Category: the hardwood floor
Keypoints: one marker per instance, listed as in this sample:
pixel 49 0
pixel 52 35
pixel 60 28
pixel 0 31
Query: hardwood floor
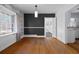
pixel 39 46
pixel 75 45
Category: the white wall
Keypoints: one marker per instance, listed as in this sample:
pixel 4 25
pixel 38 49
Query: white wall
pixel 61 26
pixel 67 35
pixel 61 23
pixel 20 20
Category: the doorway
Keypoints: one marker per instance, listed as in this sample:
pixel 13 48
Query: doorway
pixel 50 27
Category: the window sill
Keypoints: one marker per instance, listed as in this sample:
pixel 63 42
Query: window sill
pixel 1 35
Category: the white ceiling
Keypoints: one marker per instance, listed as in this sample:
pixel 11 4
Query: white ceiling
pixel 42 8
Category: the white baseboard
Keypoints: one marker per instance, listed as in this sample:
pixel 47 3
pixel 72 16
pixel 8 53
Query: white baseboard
pixel 41 37
pixel 35 36
pixel 32 36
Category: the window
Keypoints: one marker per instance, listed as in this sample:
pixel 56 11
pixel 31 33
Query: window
pixel 5 23
pixel 72 22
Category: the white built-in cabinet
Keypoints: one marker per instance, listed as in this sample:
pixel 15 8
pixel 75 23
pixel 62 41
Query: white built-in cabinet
pixel 7 40
pixel 71 35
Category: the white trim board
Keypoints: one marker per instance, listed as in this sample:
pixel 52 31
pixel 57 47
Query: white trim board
pixel 32 36
pixel 33 27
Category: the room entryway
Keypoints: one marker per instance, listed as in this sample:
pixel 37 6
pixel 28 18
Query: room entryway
pixel 50 27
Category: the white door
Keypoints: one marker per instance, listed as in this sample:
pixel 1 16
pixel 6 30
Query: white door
pixel 50 27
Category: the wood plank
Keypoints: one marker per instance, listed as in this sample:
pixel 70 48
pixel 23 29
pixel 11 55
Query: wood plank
pixel 40 46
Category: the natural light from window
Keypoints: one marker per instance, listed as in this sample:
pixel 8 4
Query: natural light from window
pixel 5 23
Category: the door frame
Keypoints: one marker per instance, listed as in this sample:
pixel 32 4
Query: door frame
pixel 55 27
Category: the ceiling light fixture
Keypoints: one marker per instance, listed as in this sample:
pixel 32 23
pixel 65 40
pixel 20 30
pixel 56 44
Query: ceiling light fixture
pixel 36 12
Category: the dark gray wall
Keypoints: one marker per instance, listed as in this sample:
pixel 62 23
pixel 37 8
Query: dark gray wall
pixel 31 21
